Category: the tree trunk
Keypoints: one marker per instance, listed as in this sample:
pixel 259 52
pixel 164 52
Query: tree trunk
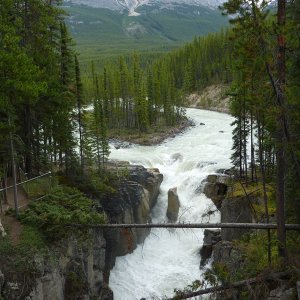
pixel 280 134
pixel 263 175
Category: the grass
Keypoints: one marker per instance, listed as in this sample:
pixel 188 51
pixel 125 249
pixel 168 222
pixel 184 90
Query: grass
pixel 255 190
pixel 39 187
pixel 238 189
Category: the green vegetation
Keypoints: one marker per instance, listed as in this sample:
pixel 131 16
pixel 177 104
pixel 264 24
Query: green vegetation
pixel 102 35
pixel 64 205
pixel 133 98
pixel 39 187
pixel 249 261
pixel 128 97
pixel 42 101
pixel 17 261
pixel 153 134
pixel 263 101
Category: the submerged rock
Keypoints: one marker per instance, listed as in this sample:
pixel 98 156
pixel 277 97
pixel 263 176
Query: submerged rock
pixel 177 157
pixel 173 205
pixel 118 144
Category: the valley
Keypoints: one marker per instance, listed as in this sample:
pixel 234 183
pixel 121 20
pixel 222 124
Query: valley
pixel 103 34
pixel 149 149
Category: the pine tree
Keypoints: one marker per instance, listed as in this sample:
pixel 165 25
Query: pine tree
pixel 78 92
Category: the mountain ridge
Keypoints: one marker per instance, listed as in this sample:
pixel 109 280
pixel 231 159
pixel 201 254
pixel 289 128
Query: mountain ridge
pixel 132 5
pixel 151 29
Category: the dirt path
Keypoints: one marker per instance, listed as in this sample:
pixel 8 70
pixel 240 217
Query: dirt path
pixel 11 225
pixel 22 198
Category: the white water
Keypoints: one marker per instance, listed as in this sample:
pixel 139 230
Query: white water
pixel 170 259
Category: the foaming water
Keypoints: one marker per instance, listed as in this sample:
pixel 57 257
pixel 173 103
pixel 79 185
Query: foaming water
pixel 170 259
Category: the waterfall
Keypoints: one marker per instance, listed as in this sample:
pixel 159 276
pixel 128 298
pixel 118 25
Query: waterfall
pixel 170 259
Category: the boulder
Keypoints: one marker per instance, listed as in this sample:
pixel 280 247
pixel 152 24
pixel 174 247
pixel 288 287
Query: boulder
pixel 173 205
pixel 152 185
pixel 211 236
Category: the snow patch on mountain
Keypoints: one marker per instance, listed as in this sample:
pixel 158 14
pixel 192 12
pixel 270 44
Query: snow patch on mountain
pixel 132 5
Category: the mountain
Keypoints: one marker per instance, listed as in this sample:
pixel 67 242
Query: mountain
pixel 104 29
pixel 132 5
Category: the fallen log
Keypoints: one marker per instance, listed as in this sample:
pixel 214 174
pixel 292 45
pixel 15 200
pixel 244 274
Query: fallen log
pixel 184 225
pixel 235 285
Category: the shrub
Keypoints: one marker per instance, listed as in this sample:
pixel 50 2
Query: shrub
pixel 63 206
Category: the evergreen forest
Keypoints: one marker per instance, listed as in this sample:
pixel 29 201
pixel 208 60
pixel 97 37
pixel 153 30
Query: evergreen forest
pixel 56 118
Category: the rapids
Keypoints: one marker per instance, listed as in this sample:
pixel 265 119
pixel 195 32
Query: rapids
pixel 170 259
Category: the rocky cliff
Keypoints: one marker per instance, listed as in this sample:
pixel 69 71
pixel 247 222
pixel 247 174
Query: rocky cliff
pixel 79 268
pixel 228 249
pixel 132 205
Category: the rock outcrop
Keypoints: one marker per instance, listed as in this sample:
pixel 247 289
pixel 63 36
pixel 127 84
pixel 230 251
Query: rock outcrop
pixel 71 270
pixel 211 98
pixel 173 205
pixel 226 253
pixel 235 210
pixel 216 188
pixel 80 268
pixel 131 205
pixel 211 238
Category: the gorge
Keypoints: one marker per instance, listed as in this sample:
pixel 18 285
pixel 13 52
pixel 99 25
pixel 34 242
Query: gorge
pixel 170 259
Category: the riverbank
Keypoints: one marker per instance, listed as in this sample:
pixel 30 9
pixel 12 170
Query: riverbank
pixel 122 138
pixel 213 98
pixel 232 255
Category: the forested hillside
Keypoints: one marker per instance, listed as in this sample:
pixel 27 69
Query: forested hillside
pixel 43 99
pixel 140 96
pixel 102 34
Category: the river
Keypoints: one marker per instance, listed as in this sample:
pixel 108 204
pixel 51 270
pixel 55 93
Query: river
pixel 170 259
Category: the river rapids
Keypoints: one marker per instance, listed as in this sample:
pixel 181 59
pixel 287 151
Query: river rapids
pixel 170 259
